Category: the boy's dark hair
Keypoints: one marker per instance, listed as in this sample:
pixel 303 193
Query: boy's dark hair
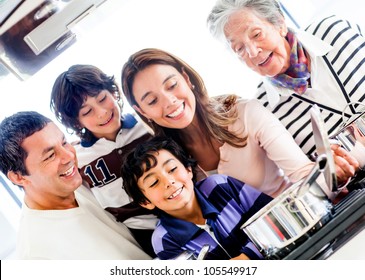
pixel 71 89
pixel 13 131
pixel 142 159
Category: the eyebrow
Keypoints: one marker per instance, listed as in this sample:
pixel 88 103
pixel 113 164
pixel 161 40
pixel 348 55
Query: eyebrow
pixel 164 164
pixel 144 96
pixel 83 105
pixel 48 149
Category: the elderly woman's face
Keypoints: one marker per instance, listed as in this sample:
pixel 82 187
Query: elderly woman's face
pixel 258 43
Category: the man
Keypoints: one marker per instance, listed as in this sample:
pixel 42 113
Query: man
pixel 60 217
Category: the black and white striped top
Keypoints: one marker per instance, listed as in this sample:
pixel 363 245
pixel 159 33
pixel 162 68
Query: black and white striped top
pixel 344 68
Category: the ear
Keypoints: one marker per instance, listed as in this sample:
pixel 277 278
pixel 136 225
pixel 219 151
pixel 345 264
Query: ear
pixel 190 171
pixel 140 111
pixel 16 178
pixel 148 205
pixel 187 79
pixel 283 29
pixel 116 95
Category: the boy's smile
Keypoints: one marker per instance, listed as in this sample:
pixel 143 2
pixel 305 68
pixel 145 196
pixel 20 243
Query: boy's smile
pixel 168 185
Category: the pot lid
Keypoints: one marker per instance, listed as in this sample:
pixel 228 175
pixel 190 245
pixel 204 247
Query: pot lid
pixel 323 147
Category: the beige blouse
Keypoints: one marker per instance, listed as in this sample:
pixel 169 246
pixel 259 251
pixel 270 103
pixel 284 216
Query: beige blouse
pixel 271 161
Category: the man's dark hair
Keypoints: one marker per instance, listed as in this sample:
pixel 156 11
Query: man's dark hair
pixel 13 131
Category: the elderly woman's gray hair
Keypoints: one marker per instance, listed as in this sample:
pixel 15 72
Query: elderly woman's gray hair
pixel 223 9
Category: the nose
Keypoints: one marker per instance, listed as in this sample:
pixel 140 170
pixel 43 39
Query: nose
pixel 101 112
pixel 169 181
pixel 170 99
pixel 67 154
pixel 251 49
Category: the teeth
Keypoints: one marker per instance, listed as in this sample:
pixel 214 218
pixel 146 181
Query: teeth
pixel 177 112
pixel 175 194
pixel 68 172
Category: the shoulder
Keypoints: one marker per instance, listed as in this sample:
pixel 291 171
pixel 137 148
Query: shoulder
pixel 248 106
pixel 87 154
pixel 164 245
pixel 252 112
pixel 133 127
pixel 159 233
pixel 332 24
pixel 217 182
pixel 212 181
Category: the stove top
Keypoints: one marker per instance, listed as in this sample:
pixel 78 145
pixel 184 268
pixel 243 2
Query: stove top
pixel 348 218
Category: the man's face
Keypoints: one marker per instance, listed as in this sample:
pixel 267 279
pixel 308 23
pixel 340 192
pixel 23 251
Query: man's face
pixel 51 164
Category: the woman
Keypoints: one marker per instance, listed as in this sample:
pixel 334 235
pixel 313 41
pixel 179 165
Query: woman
pixel 225 135
pixel 321 66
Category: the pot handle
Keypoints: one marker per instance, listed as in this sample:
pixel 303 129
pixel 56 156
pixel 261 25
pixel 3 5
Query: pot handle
pixel 318 168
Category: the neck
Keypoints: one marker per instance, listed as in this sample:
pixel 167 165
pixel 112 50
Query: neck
pixel 193 134
pixel 191 213
pixel 55 203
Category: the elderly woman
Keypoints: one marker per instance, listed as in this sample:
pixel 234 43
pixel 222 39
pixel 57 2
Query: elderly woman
pixel 323 66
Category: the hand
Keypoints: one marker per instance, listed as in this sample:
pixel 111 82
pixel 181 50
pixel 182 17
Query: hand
pixel 346 164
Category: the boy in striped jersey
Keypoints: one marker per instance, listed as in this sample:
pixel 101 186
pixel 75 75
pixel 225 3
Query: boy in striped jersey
pixel 87 101
pixel 159 176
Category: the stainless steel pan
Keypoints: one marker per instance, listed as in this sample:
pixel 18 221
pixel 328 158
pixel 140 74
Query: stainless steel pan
pixel 290 218
pixel 301 210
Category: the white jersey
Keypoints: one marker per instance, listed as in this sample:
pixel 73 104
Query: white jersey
pixel 100 164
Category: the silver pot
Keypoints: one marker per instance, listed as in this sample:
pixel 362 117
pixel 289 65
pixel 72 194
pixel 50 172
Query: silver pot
pixel 299 211
pixel 288 220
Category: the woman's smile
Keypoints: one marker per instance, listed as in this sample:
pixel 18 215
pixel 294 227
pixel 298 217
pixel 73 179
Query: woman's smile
pixel 176 114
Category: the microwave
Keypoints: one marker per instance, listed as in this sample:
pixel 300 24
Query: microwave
pixel 34 32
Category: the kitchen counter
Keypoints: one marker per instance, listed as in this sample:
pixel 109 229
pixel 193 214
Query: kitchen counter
pixel 343 237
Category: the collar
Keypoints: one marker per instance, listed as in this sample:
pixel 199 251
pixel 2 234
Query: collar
pixel 183 231
pixel 314 46
pixel 128 121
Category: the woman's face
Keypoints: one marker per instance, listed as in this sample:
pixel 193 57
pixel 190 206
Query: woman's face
pixel 164 95
pixel 258 43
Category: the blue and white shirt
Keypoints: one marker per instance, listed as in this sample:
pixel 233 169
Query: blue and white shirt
pixel 227 204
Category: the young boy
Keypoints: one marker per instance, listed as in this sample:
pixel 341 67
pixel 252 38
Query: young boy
pixel 87 101
pixel 159 176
